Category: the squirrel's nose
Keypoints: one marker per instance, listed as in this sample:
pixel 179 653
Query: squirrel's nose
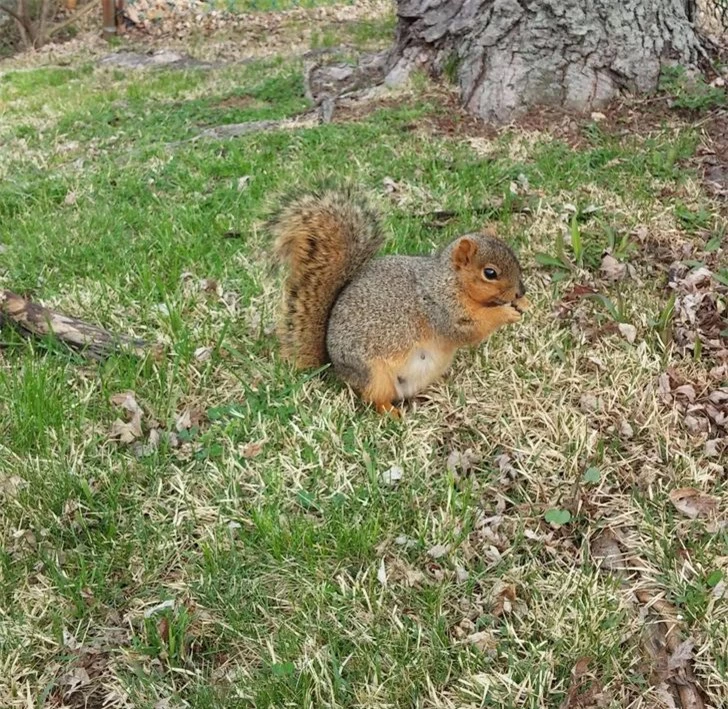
pixel 521 290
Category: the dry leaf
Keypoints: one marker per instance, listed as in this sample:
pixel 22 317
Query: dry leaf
pixel 606 550
pixel 612 269
pixel 712 448
pixel 164 605
pixel 69 640
pixel 663 693
pixel 682 655
pixel 202 354
pixel 629 332
pixel 392 476
pixel 77 677
pixel 127 432
pixel 461 463
pixel 695 425
pixel 401 571
pixel 250 450
pixel 483 640
pixel 625 430
pixel 127 401
pixel 10 486
pixel 148 448
pixel 438 551
pixel 210 285
pixel 588 403
pixel 503 597
pixel 382 573
pixel 693 503
pixel 686 390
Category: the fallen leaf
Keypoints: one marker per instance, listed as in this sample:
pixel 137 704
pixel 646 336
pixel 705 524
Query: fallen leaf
pixel 127 401
pixel 144 450
pixel 629 332
pixel 695 425
pixel 612 269
pixel 164 605
pixel 626 430
pixel 210 285
pixel 606 550
pixel 483 640
pixel 686 390
pixel 697 278
pixel 392 476
pixel 461 463
pixel 665 387
pixel 502 597
pixel 126 432
pixel 202 354
pixel 382 573
pixel 250 450
pixel 693 503
pixel 682 655
pixel 77 677
pixel 10 486
pixel 69 640
pixel 663 693
pixel 505 464
pixel 588 403
pixel 712 448
pixel 438 551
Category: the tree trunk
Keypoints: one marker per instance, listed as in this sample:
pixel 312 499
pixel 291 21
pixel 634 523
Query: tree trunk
pixel 508 55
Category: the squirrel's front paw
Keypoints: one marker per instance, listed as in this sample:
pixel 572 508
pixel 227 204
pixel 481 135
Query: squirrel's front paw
pixel 509 313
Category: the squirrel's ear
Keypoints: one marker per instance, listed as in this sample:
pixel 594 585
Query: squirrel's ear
pixel 464 252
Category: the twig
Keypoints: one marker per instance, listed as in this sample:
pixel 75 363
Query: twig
pixel 85 10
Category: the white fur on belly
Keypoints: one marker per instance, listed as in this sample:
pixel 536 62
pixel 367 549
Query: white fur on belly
pixel 422 367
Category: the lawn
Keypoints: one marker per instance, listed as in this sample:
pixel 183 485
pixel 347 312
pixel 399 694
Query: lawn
pixel 261 538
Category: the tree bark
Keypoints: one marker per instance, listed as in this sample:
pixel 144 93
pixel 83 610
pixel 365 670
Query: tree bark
pixel 508 55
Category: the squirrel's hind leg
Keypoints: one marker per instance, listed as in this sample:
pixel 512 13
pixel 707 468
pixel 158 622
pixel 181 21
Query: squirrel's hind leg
pixel 381 390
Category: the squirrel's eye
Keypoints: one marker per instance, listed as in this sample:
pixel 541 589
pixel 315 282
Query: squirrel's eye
pixel 490 274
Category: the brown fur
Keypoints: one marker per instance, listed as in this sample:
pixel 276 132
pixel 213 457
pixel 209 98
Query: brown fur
pixel 324 239
pixel 389 325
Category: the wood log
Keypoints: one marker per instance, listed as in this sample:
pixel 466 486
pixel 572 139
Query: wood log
pixel 33 319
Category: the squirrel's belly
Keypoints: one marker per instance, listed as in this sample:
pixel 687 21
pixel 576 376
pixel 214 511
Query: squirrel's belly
pixel 423 365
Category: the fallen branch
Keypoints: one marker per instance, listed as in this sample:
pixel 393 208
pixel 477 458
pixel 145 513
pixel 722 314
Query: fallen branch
pixel 235 130
pixel 85 10
pixel 33 319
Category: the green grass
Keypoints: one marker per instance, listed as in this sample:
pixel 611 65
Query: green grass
pixel 267 522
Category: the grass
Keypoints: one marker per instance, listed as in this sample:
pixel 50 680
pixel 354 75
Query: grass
pixel 258 557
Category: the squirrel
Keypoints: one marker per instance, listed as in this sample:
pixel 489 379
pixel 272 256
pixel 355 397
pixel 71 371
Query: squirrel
pixel 389 325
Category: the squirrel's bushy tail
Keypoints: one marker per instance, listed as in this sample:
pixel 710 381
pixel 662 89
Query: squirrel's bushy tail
pixel 324 238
